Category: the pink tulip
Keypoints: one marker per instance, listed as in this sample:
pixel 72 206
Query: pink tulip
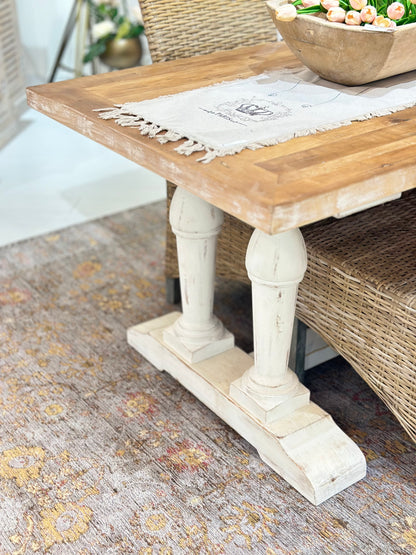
pixel 392 24
pixel 331 4
pixel 336 15
pixel 358 4
pixel 353 18
pixel 395 11
pixel 286 12
pixel 413 1
pixel 310 3
pixel 368 14
pixel 381 21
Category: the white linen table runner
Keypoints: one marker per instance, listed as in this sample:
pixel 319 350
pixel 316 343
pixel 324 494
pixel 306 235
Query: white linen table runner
pixel 260 111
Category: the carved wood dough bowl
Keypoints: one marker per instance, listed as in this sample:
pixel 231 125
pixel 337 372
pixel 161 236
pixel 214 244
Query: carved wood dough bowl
pixel 347 54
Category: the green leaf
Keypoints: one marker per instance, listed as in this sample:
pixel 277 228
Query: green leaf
pixel 124 29
pixel 311 9
pixel 95 49
pixel 135 31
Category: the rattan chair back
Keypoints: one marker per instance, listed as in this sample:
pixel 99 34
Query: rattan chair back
pixel 183 28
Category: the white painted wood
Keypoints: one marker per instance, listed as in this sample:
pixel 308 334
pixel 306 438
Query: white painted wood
pixel 275 264
pixel 197 334
pixel 306 448
pixel 346 213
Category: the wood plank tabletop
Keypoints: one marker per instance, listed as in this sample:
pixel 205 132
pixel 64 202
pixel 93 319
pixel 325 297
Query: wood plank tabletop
pixel 273 188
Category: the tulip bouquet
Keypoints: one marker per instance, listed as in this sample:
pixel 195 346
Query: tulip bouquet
pixel 385 14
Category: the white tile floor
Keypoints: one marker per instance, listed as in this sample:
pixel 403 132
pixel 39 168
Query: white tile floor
pixel 51 177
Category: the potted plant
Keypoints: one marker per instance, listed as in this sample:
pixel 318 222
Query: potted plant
pixel 115 38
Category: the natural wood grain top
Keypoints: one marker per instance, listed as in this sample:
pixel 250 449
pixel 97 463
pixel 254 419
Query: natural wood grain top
pixel 274 188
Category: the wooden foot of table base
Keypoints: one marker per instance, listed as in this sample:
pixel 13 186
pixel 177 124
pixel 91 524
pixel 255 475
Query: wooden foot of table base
pixel 305 447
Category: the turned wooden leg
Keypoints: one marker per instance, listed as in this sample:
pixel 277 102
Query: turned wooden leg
pixel 197 334
pixel 275 264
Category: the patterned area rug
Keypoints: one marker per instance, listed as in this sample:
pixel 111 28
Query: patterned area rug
pixel 102 454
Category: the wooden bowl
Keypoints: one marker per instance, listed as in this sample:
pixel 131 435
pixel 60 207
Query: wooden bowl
pixel 345 54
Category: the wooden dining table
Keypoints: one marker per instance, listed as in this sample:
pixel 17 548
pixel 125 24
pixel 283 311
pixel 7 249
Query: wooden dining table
pixel 276 190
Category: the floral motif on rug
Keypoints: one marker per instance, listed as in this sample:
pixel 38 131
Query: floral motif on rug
pixel 100 453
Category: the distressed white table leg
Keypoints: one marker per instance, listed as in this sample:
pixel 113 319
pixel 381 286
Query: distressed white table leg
pixel 275 264
pixel 197 334
pixel 263 401
pixel 314 453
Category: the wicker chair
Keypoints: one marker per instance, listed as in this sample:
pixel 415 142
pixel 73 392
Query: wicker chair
pixel 359 292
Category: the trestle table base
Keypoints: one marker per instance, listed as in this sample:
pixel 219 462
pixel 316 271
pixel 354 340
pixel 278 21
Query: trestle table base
pixel 306 447
pixel 259 396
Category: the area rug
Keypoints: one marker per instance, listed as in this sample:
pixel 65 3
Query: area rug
pixel 102 454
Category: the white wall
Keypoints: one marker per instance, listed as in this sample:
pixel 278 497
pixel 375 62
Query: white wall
pixel 42 24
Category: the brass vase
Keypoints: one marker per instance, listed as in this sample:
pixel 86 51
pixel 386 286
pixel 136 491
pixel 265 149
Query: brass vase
pixel 122 53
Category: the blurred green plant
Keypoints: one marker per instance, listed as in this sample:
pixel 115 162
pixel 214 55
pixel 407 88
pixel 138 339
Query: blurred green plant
pixel 109 24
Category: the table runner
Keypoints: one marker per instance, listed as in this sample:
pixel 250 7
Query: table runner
pixel 259 111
